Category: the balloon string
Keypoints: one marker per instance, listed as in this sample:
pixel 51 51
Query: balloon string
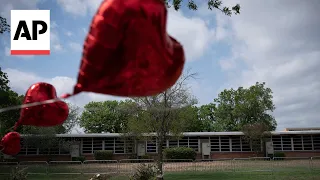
pixel 35 103
pixel 29 105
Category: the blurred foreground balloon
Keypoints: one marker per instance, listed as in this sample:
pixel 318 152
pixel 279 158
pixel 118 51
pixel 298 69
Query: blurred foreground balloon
pixel 10 143
pixel 128 52
pixel 44 115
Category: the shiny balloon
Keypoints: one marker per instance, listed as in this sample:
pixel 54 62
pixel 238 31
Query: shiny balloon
pixel 128 52
pixel 44 115
pixel 10 143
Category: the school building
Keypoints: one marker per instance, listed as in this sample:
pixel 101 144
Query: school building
pixel 208 145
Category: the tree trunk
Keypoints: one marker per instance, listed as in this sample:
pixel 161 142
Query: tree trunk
pixel 160 159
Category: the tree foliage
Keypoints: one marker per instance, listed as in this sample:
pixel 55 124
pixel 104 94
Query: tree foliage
pixel 107 116
pixel 207 117
pixel 4 26
pixel 8 98
pixel 212 4
pixel 236 108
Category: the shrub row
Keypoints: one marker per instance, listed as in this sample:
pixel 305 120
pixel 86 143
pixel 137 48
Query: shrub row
pixel 180 153
pixel 103 155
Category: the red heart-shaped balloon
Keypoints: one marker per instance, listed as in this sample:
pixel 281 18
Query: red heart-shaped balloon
pixel 10 143
pixel 128 52
pixel 44 115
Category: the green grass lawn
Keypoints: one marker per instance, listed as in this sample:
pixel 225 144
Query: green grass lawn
pixel 201 176
pixel 285 170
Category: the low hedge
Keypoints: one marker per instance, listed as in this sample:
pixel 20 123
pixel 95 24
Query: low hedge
pixel 278 155
pixel 103 155
pixel 80 158
pixel 180 153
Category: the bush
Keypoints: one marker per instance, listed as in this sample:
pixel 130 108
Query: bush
pixel 133 156
pixel 80 158
pixel 279 155
pixel 18 174
pixel 144 172
pixel 180 153
pixel 103 155
pixel 145 157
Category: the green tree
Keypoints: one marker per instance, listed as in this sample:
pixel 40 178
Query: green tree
pixel 4 26
pixel 207 117
pixel 212 4
pixel 236 108
pixel 8 98
pixel 107 116
pixel 191 115
pixel 164 114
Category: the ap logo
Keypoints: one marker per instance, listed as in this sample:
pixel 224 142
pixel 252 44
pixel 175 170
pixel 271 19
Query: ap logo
pixel 30 32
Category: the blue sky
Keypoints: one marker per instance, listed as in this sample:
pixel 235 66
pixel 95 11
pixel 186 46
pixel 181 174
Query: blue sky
pixel 266 44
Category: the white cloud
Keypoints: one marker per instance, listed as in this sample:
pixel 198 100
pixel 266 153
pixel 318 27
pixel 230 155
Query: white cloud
pixel 278 42
pixel 79 7
pixel 54 38
pixel 75 46
pixel 193 33
pixel 69 34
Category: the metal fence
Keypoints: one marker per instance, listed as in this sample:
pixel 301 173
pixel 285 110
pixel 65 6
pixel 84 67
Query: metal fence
pixel 124 166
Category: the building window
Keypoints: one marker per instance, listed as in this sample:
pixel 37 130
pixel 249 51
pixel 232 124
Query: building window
pixel 173 143
pixel 225 143
pixel 277 145
pixel 316 142
pixel 286 143
pixel 119 146
pixel 297 143
pixel 87 145
pixel 96 144
pixel 236 143
pixel 215 143
pixel 294 143
pixel 109 144
pixel 183 142
pixel 152 146
pixel 307 143
pixel 53 149
pixel 194 143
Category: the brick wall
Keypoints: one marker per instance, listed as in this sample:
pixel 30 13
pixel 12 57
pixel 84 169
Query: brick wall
pixel 222 155
pixel 302 154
